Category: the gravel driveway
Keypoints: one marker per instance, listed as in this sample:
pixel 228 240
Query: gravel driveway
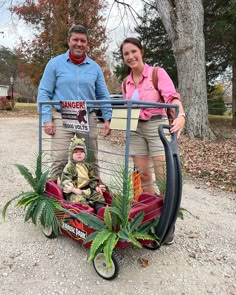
pixel 202 260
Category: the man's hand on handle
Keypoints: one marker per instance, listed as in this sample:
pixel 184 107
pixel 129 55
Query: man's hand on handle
pixel 49 128
pixel 106 128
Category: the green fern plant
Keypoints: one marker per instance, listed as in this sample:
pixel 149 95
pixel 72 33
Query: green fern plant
pixel 38 207
pixel 117 226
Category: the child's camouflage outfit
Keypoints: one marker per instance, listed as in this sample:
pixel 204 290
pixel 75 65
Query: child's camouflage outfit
pixel 81 175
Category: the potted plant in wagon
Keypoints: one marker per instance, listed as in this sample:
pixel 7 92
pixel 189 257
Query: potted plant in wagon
pixel 38 207
pixel 116 227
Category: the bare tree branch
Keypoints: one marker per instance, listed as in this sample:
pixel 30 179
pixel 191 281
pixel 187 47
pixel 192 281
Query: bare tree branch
pixel 151 5
pixel 129 7
pixel 122 17
pixel 122 14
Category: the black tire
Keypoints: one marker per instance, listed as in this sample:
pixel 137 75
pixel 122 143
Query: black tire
pixel 48 232
pixel 101 268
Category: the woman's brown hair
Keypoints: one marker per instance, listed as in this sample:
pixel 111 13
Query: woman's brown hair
pixel 133 41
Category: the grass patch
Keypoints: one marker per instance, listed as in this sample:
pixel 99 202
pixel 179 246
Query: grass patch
pixel 26 106
pixel 220 118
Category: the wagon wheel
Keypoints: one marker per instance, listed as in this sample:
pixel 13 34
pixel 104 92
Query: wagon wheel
pixel 48 231
pixel 107 273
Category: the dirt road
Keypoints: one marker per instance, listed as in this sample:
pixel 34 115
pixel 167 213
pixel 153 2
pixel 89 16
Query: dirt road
pixel 202 260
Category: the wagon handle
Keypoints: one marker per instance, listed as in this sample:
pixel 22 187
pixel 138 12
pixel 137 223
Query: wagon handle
pixel 173 184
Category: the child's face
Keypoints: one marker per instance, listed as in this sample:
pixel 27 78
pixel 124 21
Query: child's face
pixel 78 156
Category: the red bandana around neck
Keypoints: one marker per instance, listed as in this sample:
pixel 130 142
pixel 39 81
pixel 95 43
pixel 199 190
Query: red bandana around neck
pixel 76 60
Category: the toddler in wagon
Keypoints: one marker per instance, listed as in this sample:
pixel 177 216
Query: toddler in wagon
pixel 78 179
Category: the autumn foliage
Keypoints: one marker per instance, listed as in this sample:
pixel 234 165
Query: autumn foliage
pixel 51 20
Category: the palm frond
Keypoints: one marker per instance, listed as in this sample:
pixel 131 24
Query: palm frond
pixel 122 204
pixel 51 221
pixel 149 227
pixel 161 184
pixel 98 242
pixel 123 233
pixel 141 236
pixel 48 216
pixel 24 171
pixel 145 227
pixel 27 199
pixel 109 247
pixel 122 188
pixel 181 211
pixel 136 221
pixel 90 238
pixel 37 164
pixel 38 168
pixel 55 226
pixel 32 211
pixel 40 187
pixel 116 180
pixel 134 241
pixel 119 180
pixel 38 206
pixel 117 201
pixel 107 219
pixel 91 220
pixel 38 210
pixel 117 212
pixel 128 184
pixel 126 199
pixel 4 210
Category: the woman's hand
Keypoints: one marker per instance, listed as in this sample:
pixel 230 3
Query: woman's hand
pixel 178 124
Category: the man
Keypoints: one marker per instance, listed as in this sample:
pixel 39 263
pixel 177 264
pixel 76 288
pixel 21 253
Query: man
pixel 72 76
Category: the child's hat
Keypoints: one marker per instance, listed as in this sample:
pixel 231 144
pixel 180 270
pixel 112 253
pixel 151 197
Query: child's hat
pixel 78 144
pixel 79 148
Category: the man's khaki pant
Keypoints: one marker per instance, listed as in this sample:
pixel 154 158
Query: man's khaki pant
pixel 61 140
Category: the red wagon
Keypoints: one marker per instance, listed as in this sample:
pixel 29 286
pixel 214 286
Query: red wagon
pixel 161 215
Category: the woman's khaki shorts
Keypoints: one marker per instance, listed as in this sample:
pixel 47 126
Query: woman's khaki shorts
pixel 145 140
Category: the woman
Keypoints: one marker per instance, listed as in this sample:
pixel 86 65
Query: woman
pixel 145 144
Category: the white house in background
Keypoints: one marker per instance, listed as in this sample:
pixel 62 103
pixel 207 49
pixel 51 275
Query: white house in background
pixel 228 94
pixel 4 90
pixel 6 103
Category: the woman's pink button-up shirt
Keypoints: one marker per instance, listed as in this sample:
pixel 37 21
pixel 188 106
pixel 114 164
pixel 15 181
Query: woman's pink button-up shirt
pixel 147 92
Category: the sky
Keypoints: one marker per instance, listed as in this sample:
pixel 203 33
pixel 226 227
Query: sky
pixel 121 21
pixel 11 29
pixel 119 24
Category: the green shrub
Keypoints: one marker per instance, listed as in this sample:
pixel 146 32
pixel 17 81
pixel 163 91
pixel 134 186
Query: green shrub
pixel 216 105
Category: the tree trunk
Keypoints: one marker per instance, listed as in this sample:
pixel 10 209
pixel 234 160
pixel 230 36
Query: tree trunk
pixel 234 83
pixel 183 21
pixel 234 95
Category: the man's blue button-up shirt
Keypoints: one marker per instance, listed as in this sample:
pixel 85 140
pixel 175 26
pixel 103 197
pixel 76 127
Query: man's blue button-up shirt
pixel 63 80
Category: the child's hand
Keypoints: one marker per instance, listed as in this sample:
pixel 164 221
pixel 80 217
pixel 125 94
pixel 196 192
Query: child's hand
pixel 77 191
pixel 68 188
pixel 100 189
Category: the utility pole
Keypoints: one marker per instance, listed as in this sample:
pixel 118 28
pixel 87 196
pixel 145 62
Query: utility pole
pixel 12 95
